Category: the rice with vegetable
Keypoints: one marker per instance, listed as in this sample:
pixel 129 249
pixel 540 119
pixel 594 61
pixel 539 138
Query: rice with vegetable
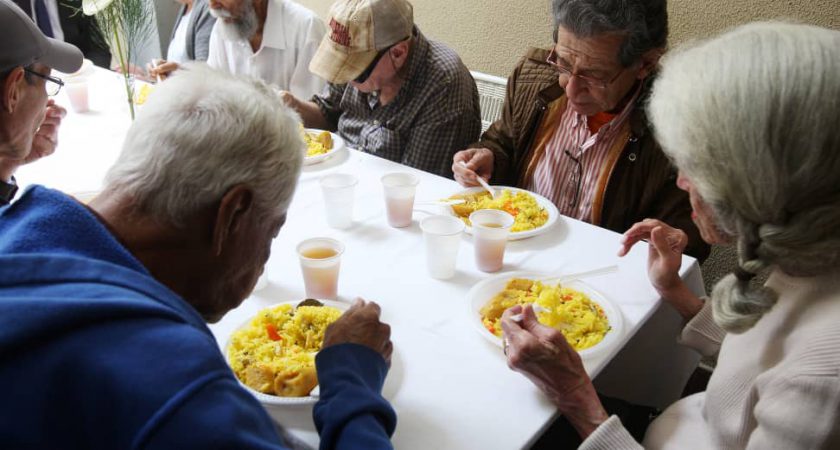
pixel 572 312
pixel 275 352
pixel 317 143
pixel 527 213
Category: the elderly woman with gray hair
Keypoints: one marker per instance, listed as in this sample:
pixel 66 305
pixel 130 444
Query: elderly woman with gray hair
pixel 750 119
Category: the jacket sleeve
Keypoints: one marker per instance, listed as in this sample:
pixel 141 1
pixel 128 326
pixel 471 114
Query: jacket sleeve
pixel 352 414
pixel 672 206
pixel 501 136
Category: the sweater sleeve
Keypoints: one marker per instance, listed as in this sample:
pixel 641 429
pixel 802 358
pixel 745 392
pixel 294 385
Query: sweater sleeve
pixel 702 333
pixel 352 414
pixel 611 435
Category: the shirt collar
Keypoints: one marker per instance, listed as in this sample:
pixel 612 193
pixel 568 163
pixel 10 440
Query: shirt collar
pixel 274 35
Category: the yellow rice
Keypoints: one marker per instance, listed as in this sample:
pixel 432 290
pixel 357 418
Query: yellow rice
pixel 572 312
pixel 317 143
pixel 284 352
pixel 527 213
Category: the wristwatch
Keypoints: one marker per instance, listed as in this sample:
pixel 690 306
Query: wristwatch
pixel 8 191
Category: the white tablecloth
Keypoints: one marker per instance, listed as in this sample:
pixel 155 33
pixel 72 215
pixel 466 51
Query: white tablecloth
pixel 450 387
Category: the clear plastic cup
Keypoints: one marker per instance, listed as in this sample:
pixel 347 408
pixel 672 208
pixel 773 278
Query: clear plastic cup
pixel 399 197
pixel 76 87
pixel 491 228
pixel 320 259
pixel 338 192
pixel 442 235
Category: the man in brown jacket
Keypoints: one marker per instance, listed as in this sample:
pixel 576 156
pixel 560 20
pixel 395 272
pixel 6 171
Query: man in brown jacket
pixel 573 127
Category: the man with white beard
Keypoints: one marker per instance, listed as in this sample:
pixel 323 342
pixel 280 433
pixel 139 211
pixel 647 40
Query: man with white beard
pixel 272 40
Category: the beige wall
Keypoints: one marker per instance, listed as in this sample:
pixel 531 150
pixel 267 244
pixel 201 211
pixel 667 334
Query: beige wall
pixel 491 35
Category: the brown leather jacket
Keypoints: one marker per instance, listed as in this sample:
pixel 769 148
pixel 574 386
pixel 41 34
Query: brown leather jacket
pixel 638 182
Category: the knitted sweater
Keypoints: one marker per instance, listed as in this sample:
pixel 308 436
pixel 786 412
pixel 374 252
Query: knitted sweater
pixel 775 386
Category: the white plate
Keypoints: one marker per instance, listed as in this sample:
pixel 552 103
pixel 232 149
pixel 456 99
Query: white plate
pixel 338 144
pixel 553 213
pixel 274 400
pixel 485 290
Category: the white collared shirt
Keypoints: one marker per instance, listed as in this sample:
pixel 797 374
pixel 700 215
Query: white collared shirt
pixel 291 36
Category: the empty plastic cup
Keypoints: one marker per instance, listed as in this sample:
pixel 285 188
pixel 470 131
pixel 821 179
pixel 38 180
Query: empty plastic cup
pixel 442 235
pixel 338 190
pixel 399 197
pixel 491 228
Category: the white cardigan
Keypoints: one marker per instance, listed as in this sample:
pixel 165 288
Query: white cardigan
pixel 776 386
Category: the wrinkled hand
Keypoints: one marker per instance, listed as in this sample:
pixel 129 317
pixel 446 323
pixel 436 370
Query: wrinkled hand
pixel 471 163
pixel 665 249
pixel 46 138
pixel 360 325
pixel 161 68
pixel 544 356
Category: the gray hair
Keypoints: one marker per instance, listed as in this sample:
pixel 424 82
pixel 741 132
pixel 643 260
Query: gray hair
pixel 643 22
pixel 751 118
pixel 200 133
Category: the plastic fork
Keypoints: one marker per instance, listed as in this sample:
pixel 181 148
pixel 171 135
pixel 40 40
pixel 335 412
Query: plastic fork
pixel 483 183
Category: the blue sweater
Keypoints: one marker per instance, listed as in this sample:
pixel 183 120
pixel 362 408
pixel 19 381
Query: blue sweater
pixel 96 354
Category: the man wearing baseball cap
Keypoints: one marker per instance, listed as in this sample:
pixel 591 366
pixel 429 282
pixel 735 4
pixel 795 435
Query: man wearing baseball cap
pixel 28 121
pixel 391 92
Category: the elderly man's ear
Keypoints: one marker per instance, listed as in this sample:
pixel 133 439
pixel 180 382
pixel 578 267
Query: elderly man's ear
pixel 11 90
pixel 236 206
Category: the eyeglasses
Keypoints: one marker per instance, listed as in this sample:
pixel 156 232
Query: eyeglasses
pixel 566 71
pixel 52 88
pixel 366 74
pixel 576 177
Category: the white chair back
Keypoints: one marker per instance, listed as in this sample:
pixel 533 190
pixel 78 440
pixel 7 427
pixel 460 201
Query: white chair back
pixel 491 97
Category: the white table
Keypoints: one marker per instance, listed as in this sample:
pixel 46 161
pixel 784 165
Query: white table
pixel 450 387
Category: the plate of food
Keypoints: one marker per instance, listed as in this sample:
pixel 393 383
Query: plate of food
pixel 590 322
pixel 533 214
pixel 273 353
pixel 320 145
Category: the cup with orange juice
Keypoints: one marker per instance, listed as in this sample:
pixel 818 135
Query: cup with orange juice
pixel 320 260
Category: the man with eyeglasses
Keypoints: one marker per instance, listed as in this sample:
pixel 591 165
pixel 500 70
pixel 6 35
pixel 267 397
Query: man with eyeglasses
pixel 392 92
pixel 574 129
pixel 28 120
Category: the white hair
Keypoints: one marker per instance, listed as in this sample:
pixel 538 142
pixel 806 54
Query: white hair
pixel 200 133
pixel 751 117
pixel 239 28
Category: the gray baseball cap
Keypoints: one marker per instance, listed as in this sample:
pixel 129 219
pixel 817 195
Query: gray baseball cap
pixel 25 44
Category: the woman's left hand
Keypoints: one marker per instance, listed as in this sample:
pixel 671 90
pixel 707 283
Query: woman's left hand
pixel 544 356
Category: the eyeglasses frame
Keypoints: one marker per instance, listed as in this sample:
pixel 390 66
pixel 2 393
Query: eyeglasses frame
pixel 551 59
pixel 58 81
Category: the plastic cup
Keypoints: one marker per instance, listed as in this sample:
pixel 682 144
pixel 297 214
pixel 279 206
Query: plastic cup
pixel 77 92
pixel 338 198
pixel 399 197
pixel 320 259
pixel 491 228
pixel 442 235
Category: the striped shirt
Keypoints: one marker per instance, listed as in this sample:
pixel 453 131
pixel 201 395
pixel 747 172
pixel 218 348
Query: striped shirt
pixel 435 114
pixel 567 174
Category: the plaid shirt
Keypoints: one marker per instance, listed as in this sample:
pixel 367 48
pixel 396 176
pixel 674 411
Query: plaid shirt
pixel 435 114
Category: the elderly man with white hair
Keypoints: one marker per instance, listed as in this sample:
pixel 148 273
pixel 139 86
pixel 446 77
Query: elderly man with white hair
pixel 755 139
pixel 273 40
pixel 103 306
